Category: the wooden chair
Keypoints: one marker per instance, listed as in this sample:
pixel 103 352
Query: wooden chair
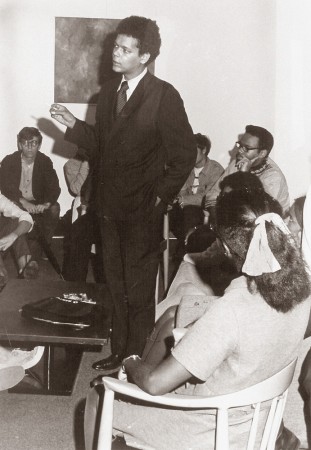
pixel 274 388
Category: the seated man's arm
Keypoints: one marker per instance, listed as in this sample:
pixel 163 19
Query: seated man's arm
pixel 42 207
pixel 25 222
pixel 51 187
pixel 76 172
pixel 191 199
pixel 275 184
pixel 207 183
pixel 210 197
pixel 212 194
pixel 9 184
pixel 31 208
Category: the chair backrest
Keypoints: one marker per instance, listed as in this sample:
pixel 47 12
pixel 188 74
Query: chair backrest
pixel 273 389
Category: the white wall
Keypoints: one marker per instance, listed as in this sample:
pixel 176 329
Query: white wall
pixel 293 93
pixel 219 54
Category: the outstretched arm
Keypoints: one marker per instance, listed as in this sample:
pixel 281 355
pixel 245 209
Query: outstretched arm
pixel 62 115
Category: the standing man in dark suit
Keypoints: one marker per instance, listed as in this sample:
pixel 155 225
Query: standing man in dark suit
pixel 146 150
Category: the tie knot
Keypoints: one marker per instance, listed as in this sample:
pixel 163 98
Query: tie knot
pixel 124 86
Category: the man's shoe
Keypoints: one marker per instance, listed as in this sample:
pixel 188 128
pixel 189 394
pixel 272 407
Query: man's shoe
pixel 112 363
pixel 30 271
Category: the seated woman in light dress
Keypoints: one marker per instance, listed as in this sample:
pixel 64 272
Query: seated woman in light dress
pixel 243 337
pixel 211 271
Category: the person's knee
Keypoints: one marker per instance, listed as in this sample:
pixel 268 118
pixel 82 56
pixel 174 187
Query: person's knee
pixel 54 210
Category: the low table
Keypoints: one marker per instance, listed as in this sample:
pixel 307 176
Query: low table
pixel 16 331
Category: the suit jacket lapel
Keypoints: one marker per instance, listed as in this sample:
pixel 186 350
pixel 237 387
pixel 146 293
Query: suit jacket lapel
pixel 130 107
pixel 112 98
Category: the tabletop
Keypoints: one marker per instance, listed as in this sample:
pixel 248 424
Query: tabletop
pixel 15 328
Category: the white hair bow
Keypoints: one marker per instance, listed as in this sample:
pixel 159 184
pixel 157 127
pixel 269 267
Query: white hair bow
pixel 259 258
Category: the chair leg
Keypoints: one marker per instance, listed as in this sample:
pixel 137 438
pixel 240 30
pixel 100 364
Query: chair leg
pixel 157 289
pixel 222 430
pixel 105 428
pixel 166 252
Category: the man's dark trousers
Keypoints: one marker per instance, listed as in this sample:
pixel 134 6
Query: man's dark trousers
pixel 144 154
pixel 131 251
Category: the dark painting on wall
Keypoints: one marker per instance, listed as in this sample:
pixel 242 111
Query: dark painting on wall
pixel 82 58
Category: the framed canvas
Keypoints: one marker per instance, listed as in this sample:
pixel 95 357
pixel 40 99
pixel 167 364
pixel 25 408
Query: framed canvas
pixel 83 50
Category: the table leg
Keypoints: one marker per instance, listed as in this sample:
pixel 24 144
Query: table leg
pixel 58 372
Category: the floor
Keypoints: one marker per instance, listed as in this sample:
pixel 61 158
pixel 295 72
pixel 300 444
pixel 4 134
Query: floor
pixel 37 422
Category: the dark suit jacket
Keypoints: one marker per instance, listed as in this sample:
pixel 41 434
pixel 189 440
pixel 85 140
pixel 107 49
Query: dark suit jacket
pixel 45 184
pixel 148 151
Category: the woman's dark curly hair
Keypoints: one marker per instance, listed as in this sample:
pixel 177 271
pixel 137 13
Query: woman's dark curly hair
pixel 146 31
pixel 246 181
pixel 236 213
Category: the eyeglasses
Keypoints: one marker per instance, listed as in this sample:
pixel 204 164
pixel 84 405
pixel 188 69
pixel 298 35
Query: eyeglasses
pixel 225 247
pixel 244 147
pixel 33 143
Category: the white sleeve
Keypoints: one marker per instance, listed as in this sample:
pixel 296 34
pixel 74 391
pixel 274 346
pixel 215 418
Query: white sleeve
pixel 9 209
pixel 209 341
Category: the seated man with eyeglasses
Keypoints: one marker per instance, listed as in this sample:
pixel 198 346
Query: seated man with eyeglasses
pixel 28 179
pixel 253 149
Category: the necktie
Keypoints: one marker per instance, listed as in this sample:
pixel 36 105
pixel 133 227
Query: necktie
pixel 195 184
pixel 121 97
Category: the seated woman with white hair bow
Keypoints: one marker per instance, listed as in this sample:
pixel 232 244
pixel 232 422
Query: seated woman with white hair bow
pixel 247 335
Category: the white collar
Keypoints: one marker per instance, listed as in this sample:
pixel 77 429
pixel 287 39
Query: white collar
pixel 132 84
